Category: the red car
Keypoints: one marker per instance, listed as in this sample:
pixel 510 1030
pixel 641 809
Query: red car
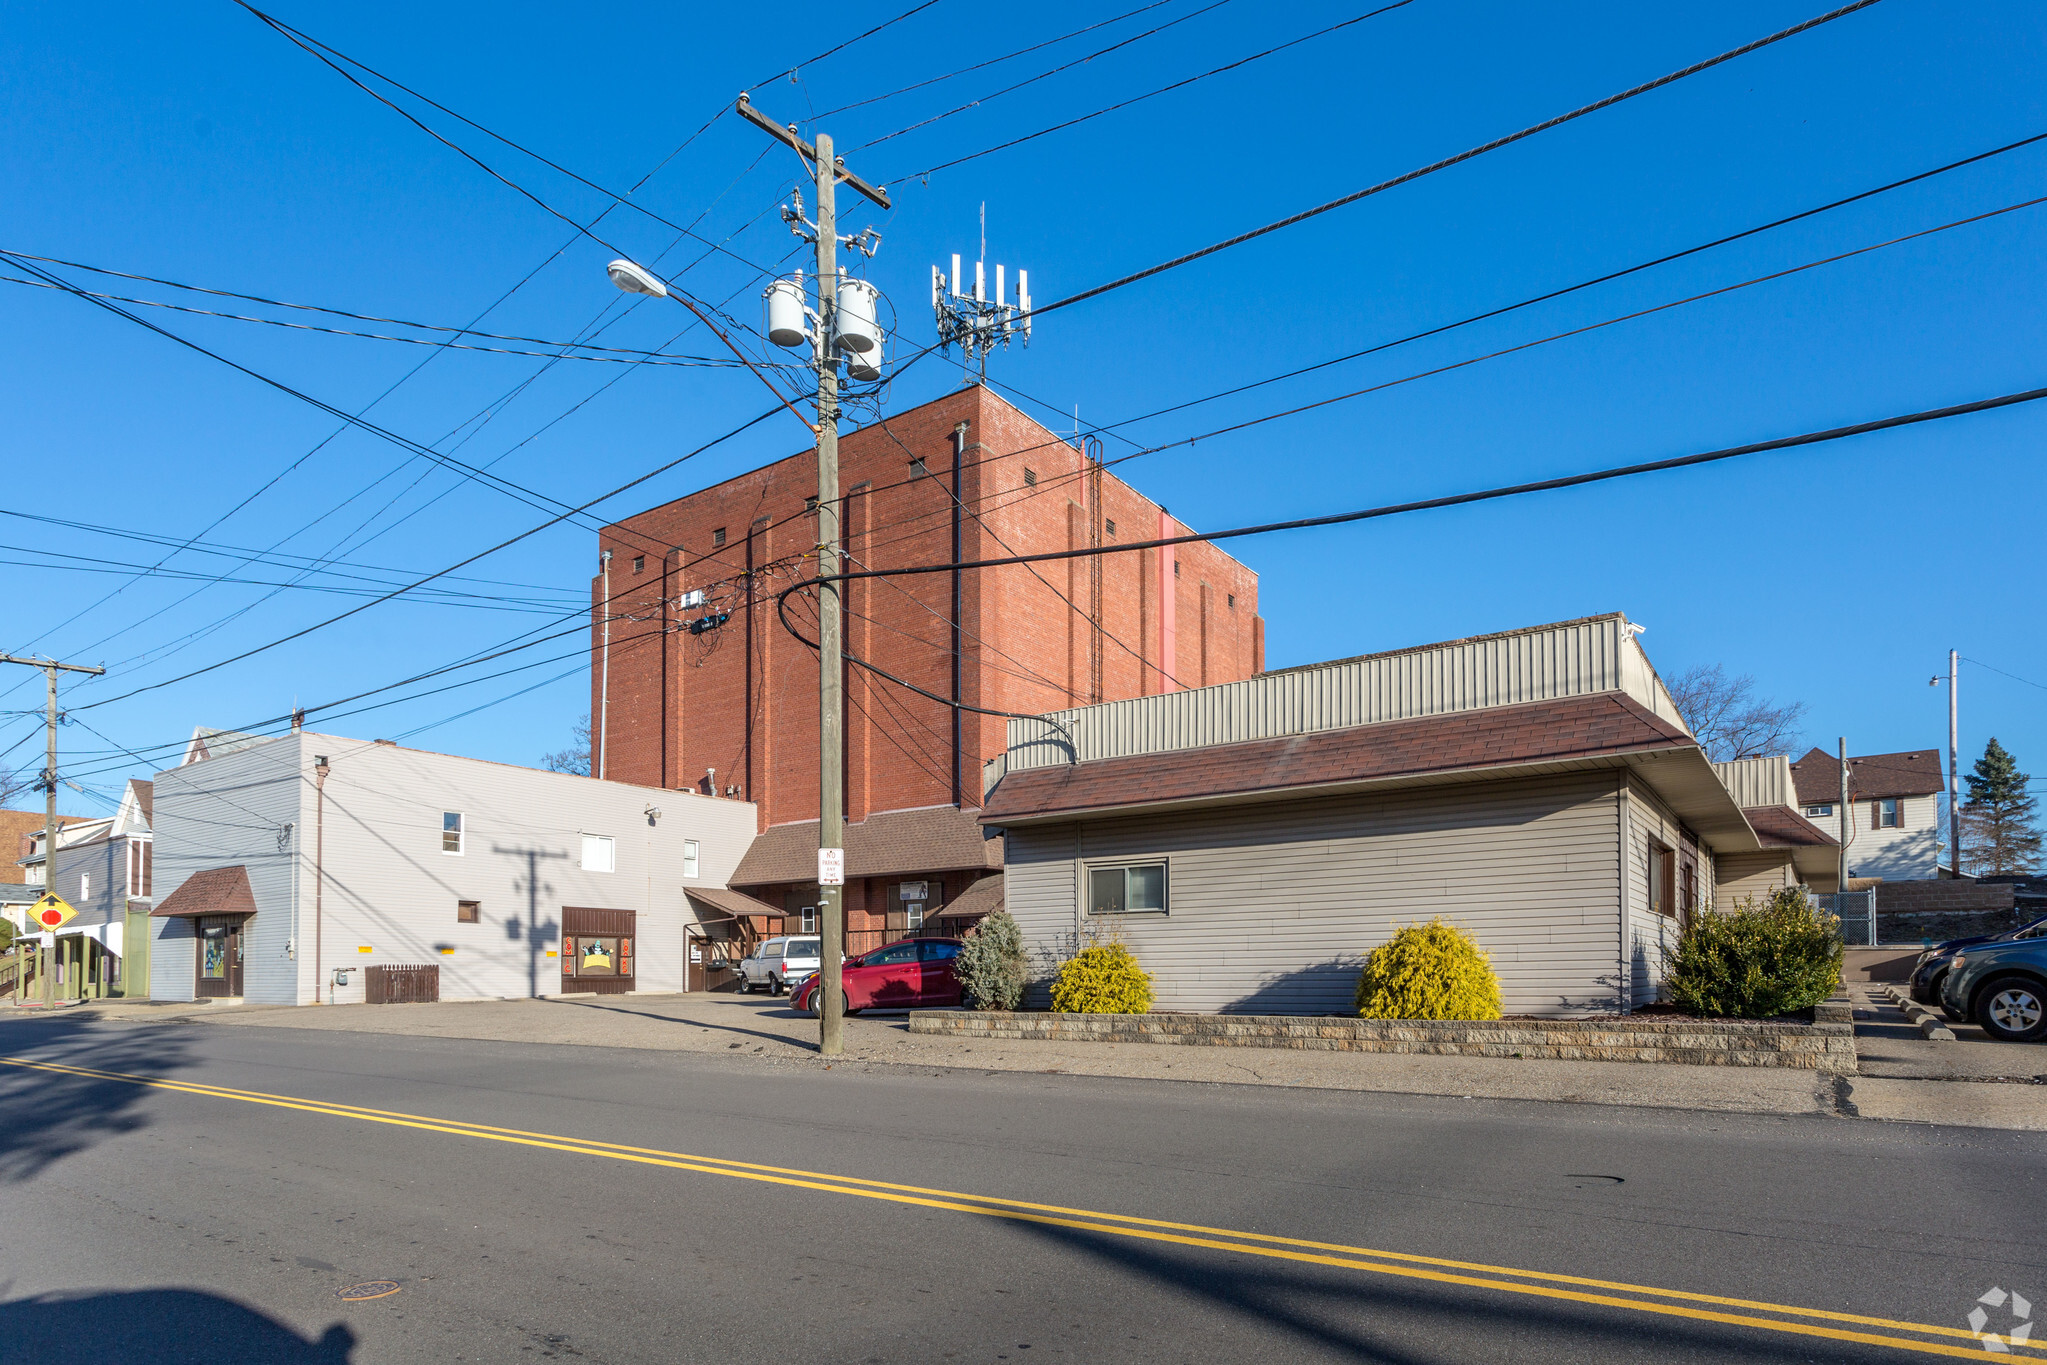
pixel 913 974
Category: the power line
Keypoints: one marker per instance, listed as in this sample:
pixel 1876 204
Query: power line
pixel 1433 166
pixel 2013 676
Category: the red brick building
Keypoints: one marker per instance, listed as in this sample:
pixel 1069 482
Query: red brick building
pixel 732 710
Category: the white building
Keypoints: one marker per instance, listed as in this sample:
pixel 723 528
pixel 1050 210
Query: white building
pixel 1893 809
pixel 281 863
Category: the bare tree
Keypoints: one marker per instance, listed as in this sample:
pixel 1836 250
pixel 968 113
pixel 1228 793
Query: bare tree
pixel 15 781
pixel 1729 719
pixel 576 758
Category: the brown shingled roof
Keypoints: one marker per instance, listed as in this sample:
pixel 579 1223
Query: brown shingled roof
pixel 895 842
pixel 214 891
pixel 1573 728
pixel 1914 773
pixel 1783 827
pixel 736 904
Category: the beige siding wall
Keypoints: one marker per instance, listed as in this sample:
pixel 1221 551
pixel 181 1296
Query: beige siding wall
pixel 1652 937
pixel 1752 874
pixel 1272 907
pixel 1759 781
pixel 1574 658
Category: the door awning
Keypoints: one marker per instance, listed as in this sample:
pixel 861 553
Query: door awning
pixel 213 891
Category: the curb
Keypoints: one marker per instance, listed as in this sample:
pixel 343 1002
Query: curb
pixel 1932 1026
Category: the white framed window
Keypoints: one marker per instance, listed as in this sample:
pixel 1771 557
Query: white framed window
pixel 913 914
pixel 1889 813
pixel 1823 808
pixel 689 857
pixel 807 917
pixel 600 853
pixel 451 832
pixel 1126 889
pixel 85 886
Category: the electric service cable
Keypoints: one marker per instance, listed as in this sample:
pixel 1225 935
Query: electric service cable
pixel 1434 166
pixel 1065 66
pixel 992 61
pixel 97 564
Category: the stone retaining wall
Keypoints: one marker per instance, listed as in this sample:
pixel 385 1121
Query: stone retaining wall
pixel 1828 1044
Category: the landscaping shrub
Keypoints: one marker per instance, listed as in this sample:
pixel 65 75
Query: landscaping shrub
pixel 1429 971
pixel 991 964
pixel 1765 958
pixel 1102 979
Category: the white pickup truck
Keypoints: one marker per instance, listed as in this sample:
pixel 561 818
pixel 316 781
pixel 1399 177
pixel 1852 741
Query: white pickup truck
pixel 778 964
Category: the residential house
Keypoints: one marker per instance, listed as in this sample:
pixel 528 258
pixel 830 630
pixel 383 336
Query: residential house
pixel 103 869
pixel 288 867
pixel 1893 823
pixel 722 699
pixel 1252 841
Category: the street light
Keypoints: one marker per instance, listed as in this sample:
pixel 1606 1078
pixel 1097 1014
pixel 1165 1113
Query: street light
pixel 633 279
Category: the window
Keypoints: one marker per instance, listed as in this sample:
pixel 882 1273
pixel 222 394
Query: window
pixel 891 957
pixel 1889 813
pixel 639 563
pixel 468 912
pixel 1660 890
pixel 1030 477
pixel 85 886
pixel 807 919
pixel 913 914
pixel 800 948
pixel 689 857
pixel 1824 808
pixel 917 469
pixel 1688 888
pixel 1233 601
pixel 451 832
pixel 1131 889
pixel 718 536
pixel 940 952
pixel 599 853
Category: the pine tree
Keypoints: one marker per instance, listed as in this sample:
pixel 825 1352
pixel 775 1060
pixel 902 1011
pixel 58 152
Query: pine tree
pixel 1999 829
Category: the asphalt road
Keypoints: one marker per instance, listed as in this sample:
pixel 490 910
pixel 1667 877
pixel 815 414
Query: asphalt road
pixel 896 1214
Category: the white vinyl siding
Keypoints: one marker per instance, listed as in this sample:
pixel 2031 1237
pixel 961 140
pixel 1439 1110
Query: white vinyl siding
pixel 1275 904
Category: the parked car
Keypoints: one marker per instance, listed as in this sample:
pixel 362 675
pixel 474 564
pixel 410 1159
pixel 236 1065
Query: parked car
pixel 913 974
pixel 778 963
pixel 1930 971
pixel 2002 985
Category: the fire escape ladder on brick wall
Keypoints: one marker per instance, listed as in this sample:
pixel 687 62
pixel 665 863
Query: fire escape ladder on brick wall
pixel 1092 453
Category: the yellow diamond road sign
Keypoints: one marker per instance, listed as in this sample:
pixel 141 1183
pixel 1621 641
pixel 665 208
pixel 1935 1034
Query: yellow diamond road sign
pixel 53 912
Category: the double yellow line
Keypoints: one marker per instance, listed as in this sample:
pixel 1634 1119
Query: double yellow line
pixel 1676 1303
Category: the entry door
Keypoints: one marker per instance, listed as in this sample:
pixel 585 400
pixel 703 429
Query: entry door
pixel 218 961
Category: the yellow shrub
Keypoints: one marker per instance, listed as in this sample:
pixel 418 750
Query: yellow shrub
pixel 1103 979
pixel 1429 971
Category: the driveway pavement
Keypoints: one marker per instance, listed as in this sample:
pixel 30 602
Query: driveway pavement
pixel 1907 1082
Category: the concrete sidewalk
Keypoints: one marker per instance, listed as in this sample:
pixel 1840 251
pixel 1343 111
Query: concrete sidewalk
pixel 771 1033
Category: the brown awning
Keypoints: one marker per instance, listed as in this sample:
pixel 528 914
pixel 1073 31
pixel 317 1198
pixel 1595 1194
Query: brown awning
pixel 893 843
pixel 213 891
pixel 722 903
pixel 984 897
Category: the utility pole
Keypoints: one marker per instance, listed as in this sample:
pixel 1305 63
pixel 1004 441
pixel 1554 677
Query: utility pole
pixel 1954 762
pixel 831 752
pixel 1841 878
pixel 50 669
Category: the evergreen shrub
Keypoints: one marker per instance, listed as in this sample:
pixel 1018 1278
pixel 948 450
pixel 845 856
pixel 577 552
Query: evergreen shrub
pixel 1429 971
pixel 991 964
pixel 1763 959
pixel 1103 978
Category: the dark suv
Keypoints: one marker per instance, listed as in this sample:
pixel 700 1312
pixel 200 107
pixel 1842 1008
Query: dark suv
pixel 1929 973
pixel 2002 985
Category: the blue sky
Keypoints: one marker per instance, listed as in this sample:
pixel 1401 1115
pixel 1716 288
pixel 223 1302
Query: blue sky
pixel 192 143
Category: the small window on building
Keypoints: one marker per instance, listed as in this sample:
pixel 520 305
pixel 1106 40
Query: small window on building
pixel 1823 808
pixel 806 919
pixel 1661 893
pixel 810 503
pixel 1126 889
pixel 1030 477
pixel 1889 813
pixel 913 915
pixel 1233 601
pixel 917 469
pixel 1176 567
pixel 639 563
pixel 689 857
pixel 468 912
pixel 451 832
pixel 1688 888
pixel 85 886
pixel 718 536
pixel 599 853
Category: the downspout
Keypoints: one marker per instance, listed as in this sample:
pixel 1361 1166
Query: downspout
pixel 604 681
pixel 751 592
pixel 959 448
pixel 1622 813
pixel 319 871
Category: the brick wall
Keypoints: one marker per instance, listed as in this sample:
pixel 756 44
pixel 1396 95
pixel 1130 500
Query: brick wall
pixel 742 699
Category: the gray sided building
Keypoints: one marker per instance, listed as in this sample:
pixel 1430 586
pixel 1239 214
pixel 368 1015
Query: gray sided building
pixel 272 873
pixel 1251 842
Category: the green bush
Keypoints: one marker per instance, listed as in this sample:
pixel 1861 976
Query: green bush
pixel 1764 959
pixel 991 964
pixel 1102 979
pixel 1429 971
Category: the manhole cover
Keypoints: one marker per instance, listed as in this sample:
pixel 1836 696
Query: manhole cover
pixel 374 1289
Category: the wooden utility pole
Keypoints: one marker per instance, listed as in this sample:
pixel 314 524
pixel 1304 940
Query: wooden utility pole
pixel 831 752
pixel 50 669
